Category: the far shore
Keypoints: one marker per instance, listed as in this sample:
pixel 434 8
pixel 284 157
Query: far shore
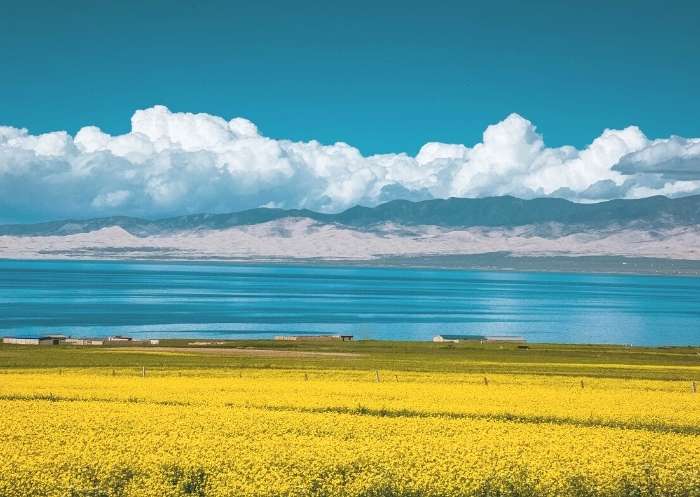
pixel 494 261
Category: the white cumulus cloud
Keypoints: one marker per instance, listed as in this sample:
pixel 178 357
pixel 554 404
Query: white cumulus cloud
pixel 173 163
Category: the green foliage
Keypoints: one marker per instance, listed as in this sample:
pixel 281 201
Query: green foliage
pixel 673 363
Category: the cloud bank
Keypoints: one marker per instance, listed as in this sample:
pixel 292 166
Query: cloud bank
pixel 178 163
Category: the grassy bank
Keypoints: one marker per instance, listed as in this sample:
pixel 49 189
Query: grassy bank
pixel 677 363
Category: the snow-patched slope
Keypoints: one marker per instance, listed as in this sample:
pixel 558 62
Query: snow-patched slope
pixel 303 239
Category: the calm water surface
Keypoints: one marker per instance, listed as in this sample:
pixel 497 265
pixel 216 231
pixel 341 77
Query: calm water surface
pixel 239 301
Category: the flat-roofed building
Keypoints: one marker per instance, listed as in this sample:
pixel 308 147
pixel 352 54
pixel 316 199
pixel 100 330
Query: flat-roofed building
pixel 83 341
pixel 43 340
pixel 294 338
pixel 505 339
pixel 457 338
pixel 21 341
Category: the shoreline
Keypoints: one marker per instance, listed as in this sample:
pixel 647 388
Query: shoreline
pixel 492 261
pixel 256 344
pixel 614 361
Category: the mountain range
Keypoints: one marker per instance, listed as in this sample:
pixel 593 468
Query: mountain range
pixel 655 227
pixel 496 212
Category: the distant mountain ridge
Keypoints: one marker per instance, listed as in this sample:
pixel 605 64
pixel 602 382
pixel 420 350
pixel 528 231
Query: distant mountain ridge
pixel 496 212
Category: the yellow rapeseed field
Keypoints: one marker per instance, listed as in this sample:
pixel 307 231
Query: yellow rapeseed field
pixel 342 433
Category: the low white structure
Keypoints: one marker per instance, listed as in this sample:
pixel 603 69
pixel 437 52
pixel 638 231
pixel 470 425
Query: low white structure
pixel 43 340
pixel 154 342
pixel 21 341
pixel 83 341
pixel 119 338
pixel 293 338
pixel 505 338
pixel 457 338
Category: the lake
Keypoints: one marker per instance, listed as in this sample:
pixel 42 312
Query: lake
pixel 221 300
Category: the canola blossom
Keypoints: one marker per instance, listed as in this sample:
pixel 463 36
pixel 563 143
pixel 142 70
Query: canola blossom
pixel 342 433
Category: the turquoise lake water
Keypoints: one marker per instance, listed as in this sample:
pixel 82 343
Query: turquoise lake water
pixel 215 300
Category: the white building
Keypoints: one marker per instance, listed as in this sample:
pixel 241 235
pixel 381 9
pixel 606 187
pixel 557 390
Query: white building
pixel 505 339
pixel 457 338
pixel 44 340
pixel 83 341
pixel 294 338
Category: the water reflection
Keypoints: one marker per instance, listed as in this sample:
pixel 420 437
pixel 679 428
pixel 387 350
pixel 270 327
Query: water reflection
pixel 244 301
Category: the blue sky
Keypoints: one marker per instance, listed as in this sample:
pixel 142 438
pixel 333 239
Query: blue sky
pixel 383 76
pixel 164 108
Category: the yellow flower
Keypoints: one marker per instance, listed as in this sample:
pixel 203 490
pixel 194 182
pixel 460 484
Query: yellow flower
pixel 273 433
